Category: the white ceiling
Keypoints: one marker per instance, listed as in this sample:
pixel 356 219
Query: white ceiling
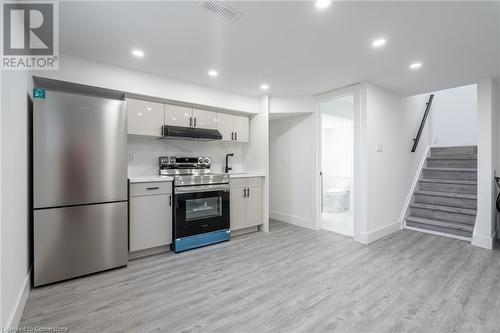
pixel 291 45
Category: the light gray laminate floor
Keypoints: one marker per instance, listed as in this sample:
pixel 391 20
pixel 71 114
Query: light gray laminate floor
pixel 289 280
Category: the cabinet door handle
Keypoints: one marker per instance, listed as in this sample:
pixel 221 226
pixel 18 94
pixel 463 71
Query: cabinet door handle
pixel 244 193
pixel 236 136
pixel 232 135
pixel 190 121
pixel 194 121
pixel 153 188
pixel 248 192
pixel 170 200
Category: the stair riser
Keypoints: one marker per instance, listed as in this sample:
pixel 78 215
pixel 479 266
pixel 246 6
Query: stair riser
pixel 443 216
pixel 461 175
pixel 452 163
pixel 447 151
pixel 446 201
pixel 448 188
pixel 440 229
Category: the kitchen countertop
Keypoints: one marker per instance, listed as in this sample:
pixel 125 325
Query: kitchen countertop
pixel 245 175
pixel 149 179
pixel 157 178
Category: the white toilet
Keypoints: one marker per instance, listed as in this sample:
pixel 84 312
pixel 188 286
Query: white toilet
pixel 336 200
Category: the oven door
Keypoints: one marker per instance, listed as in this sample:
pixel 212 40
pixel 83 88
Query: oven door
pixel 200 209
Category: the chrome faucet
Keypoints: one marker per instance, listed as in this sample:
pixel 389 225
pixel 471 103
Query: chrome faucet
pixel 228 168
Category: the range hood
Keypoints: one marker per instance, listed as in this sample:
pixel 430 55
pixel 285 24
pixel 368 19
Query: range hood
pixel 190 133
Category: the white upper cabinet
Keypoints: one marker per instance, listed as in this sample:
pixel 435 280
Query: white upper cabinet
pixel 233 127
pixel 241 128
pixel 144 118
pixel 147 118
pixel 204 119
pixel 225 125
pixel 176 115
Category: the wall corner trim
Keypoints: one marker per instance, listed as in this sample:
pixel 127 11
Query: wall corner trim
pixel 17 313
pixel 484 242
pixel 372 236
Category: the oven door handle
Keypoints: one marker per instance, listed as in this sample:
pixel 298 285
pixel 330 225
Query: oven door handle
pixel 196 189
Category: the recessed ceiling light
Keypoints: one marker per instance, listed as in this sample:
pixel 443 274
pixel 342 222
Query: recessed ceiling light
pixel 149 109
pixel 264 86
pixel 323 3
pixel 138 53
pixel 378 42
pixel 213 73
pixel 415 65
pixel 139 114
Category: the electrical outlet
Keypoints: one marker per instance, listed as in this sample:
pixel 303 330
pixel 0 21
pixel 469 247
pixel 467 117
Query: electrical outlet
pixel 131 158
pixel 380 148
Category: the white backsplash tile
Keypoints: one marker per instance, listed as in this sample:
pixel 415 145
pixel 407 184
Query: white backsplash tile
pixel 147 150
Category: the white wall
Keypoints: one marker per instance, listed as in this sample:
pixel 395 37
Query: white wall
pixel 292 154
pixel 14 248
pixel 147 151
pixel 453 117
pixel 387 180
pixel 488 127
pixel 102 75
pixel 292 104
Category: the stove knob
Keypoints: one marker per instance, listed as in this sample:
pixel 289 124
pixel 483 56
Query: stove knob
pixel 200 160
pixel 207 161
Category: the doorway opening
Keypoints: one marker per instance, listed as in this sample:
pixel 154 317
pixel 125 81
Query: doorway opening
pixel 336 164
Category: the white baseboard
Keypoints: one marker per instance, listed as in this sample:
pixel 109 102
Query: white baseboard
pixel 372 236
pixel 292 219
pixel 484 241
pixel 17 313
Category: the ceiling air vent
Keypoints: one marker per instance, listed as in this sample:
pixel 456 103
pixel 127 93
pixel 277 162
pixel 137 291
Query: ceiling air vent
pixel 221 10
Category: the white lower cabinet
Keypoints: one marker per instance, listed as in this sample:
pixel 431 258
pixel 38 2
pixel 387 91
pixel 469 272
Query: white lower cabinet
pixel 246 202
pixel 150 207
pixel 238 209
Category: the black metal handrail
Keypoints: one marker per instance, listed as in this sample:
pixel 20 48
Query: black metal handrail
pixel 422 124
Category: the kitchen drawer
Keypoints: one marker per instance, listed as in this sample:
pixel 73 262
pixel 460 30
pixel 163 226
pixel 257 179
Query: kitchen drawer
pixel 238 182
pixel 255 182
pixel 246 182
pixel 151 188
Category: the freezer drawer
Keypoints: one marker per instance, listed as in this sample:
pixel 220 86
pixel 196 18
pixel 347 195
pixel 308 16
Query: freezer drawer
pixel 74 241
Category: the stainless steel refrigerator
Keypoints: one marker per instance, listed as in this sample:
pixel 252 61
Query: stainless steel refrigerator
pixel 79 186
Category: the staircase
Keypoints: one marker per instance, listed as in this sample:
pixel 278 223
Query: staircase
pixel 445 200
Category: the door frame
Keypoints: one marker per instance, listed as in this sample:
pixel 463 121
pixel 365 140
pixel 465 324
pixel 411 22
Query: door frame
pixel 359 168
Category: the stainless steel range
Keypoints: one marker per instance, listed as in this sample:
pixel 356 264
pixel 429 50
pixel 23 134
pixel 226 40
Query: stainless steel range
pixel 201 198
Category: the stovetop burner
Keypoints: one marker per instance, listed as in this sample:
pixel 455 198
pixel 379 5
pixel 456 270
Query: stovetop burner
pixel 190 171
pixel 201 179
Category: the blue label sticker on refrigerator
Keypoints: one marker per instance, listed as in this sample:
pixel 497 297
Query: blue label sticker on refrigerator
pixel 39 93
